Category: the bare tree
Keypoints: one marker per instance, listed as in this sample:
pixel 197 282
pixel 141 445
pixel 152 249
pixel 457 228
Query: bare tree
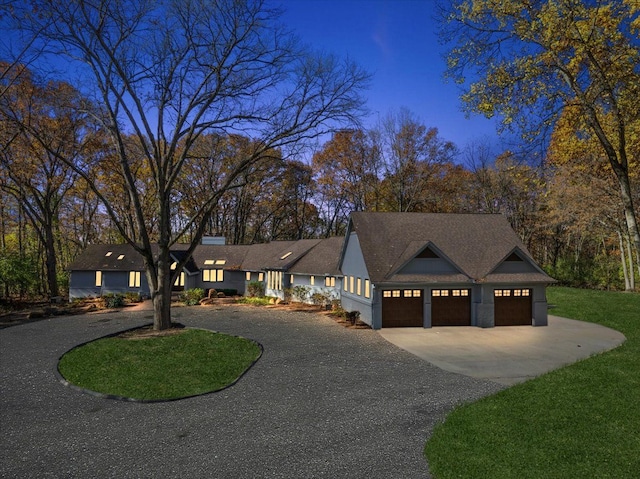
pixel 167 72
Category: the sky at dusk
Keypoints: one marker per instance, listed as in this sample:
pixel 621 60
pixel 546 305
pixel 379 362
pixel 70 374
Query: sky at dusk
pixel 397 42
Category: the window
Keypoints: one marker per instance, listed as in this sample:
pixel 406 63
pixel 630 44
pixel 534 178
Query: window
pixel 330 281
pixel 221 261
pixel 312 280
pixel 351 283
pixel 291 279
pixel 417 293
pixel 359 287
pixel 260 276
pixel 213 275
pixel 98 278
pixel 109 253
pixel 395 293
pixel 518 293
pixel 179 280
pixel 386 294
pixel 274 280
pixel 247 276
pixel 286 255
pixel 345 283
pixel 173 265
pixel 121 257
pixel 209 262
pixel 367 288
pixel 134 279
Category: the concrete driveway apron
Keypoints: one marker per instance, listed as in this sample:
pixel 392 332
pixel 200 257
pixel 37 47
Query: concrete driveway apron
pixel 322 402
pixel 506 355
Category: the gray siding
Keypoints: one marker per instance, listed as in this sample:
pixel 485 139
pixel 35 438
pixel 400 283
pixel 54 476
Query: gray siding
pixel 82 284
pixel 353 265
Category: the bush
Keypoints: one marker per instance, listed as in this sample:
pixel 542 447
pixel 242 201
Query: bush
pixel 191 297
pixel 133 297
pixel 263 301
pixel 300 293
pixel 255 289
pixel 321 298
pixel 112 300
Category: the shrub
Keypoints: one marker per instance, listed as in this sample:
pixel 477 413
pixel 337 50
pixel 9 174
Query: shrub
pixel 133 297
pixel 191 297
pixel 263 301
pixel 112 300
pixel 288 293
pixel 321 298
pixel 300 293
pixel 255 289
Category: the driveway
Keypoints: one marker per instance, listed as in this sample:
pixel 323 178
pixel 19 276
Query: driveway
pixel 506 355
pixel 322 402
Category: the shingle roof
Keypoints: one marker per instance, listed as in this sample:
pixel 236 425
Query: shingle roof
pixel 95 258
pixel 277 255
pixel 323 259
pixel 474 243
pixel 232 255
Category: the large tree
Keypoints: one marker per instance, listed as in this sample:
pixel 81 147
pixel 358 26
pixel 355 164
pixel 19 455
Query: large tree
pixel 530 60
pixel 166 72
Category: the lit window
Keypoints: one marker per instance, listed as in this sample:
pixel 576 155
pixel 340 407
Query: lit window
pixel 221 261
pixel 285 256
pixel 247 276
pixel 497 293
pixel 351 284
pixel 395 293
pixel 465 292
pixel 98 278
pixel 291 279
pixel 407 293
pixel 345 283
pixel 417 293
pixel 444 292
pixel 456 292
pixel 386 294
pixel 312 280
pixel 180 280
pixel 121 257
pixel 359 287
pixel 517 292
pixel 209 262
pixel 435 293
pixel 109 253
pixel 260 276
pixel 173 265
pixel 134 279
pixel 526 292
pixel 212 275
pixel 367 288
pixel 506 292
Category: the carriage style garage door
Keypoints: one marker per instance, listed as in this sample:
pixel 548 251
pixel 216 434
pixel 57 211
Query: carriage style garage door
pixel 450 307
pixel 513 307
pixel 402 308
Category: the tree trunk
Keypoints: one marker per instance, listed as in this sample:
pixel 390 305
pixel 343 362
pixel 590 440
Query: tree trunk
pixel 161 297
pixel 627 283
pixel 51 261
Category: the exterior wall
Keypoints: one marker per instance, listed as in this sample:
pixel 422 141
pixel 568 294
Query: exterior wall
pixel 540 306
pixel 353 265
pixel 231 280
pixel 428 265
pixel 318 286
pixel 82 284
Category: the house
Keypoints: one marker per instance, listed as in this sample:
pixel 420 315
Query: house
pixel 103 269
pixel 424 270
pixel 395 269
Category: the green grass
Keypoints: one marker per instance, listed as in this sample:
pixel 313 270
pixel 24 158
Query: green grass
pixel 159 368
pixel 582 421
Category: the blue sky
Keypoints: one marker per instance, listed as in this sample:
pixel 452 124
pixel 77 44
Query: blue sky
pixel 396 41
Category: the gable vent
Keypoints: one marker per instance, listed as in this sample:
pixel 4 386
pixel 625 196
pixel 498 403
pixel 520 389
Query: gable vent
pixel 427 253
pixel 514 257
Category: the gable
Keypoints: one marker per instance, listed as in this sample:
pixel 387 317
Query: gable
pixel 515 263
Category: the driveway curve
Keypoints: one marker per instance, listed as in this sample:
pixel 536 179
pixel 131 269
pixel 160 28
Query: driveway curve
pixel 322 402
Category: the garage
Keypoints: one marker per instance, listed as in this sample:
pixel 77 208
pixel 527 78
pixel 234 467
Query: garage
pixel 513 307
pixel 402 308
pixel 450 307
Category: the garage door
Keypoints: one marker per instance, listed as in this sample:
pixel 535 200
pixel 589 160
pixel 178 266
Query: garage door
pixel 512 307
pixel 402 308
pixel 450 307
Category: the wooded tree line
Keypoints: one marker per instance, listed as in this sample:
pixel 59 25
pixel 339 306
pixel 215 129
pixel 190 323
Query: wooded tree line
pixel 567 211
pixel 185 121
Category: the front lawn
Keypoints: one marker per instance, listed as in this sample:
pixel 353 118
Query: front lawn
pixel 579 421
pixel 188 363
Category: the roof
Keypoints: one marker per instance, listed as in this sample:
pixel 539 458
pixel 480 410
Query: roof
pixel 323 259
pixel 229 257
pixel 108 257
pixel 277 255
pixel 475 244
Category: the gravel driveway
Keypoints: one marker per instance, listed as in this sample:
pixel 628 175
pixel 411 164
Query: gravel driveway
pixel 322 402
